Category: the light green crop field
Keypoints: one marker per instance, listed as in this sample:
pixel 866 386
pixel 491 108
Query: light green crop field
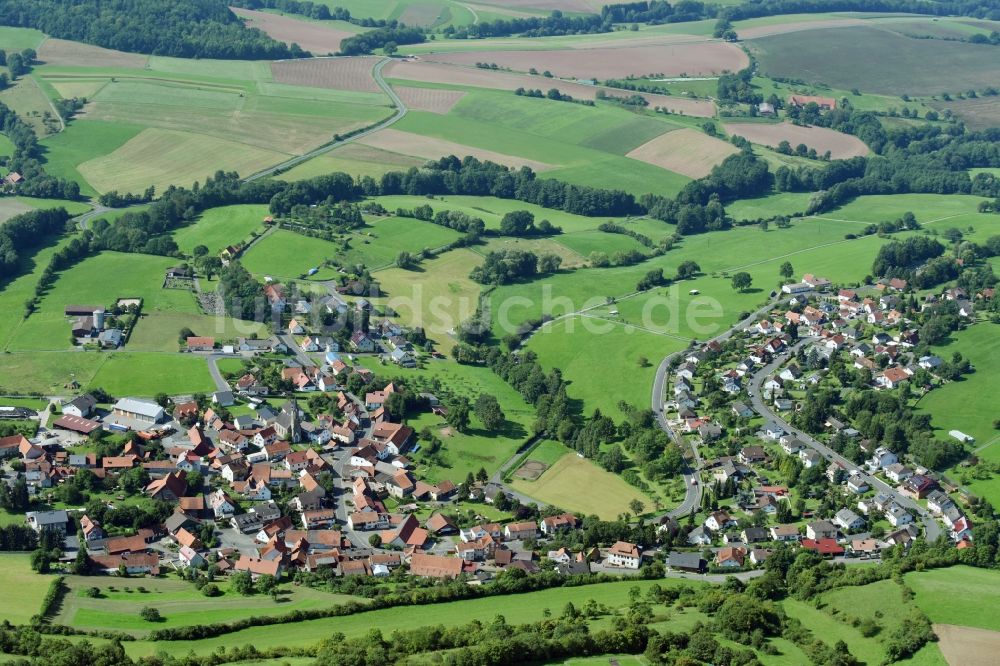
pixel 24 589
pixel 958 595
pixel 907 65
pixel 199 116
pixel 179 603
pixel 517 608
pixel 218 227
pixel 466 452
pixel 585 145
pixel 86 283
pixel 81 141
pixel 181 158
pixel 577 484
pixel 585 242
pixel 18 39
pixel 354 159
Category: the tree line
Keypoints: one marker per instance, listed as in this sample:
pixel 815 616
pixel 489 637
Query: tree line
pixel 180 28
pixel 25 159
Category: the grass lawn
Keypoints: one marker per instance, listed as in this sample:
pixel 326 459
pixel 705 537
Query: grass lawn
pixel 47 372
pixel 146 374
pixel 577 484
pixel 218 227
pixel 958 595
pixel 466 452
pixel 519 608
pixel 783 203
pixel 23 589
pixel 378 244
pixel 179 602
pixel 548 452
pixel 286 254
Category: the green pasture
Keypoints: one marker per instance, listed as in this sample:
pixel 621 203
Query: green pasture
pixel 438 296
pixel 218 227
pixel 958 595
pixel 517 608
pixel 18 39
pixel 378 244
pixel 782 203
pixel 179 602
pixel 549 451
pixel 24 589
pixel 81 141
pixel 287 254
pixel 600 358
pixel 491 210
pixel 150 373
pixel 466 452
pixel 577 484
pixel 158 331
pixel 86 283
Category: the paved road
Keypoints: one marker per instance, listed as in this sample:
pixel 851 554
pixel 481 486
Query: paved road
pixel 401 111
pixel 213 369
pixel 933 530
pixel 693 489
pixel 497 477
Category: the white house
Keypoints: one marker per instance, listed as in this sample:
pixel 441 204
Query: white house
pixel 625 555
pixel 848 521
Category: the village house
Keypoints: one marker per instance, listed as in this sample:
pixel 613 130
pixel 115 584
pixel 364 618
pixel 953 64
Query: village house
pixel 625 555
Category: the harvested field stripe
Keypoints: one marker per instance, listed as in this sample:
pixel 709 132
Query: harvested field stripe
pixel 341 73
pixel 417 145
pixel 840 145
pixel 686 151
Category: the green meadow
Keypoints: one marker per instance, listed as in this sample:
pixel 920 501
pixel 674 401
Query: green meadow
pixel 518 608
pixel 219 227
pixel 958 595
pixel 24 589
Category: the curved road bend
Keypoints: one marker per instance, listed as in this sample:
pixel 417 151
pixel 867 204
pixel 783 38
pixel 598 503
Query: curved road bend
pixel 931 527
pixel 692 485
pixel 401 111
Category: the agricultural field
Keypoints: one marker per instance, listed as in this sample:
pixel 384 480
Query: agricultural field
pixel 153 120
pixel 695 59
pixel 30 103
pixel 783 203
pixel 978 113
pixel 354 159
pixel 906 65
pixel 286 254
pixel 685 151
pixel 575 483
pixel 150 373
pixel 822 140
pixel 318 37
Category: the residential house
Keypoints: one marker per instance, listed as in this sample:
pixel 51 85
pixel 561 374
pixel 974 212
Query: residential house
pixel 821 529
pixel 848 521
pixel 520 531
pixel 625 555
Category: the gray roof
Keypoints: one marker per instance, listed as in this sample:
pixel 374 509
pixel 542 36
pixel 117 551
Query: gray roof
pixel 48 517
pixel 142 407
pixel 83 402
pixel 686 560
